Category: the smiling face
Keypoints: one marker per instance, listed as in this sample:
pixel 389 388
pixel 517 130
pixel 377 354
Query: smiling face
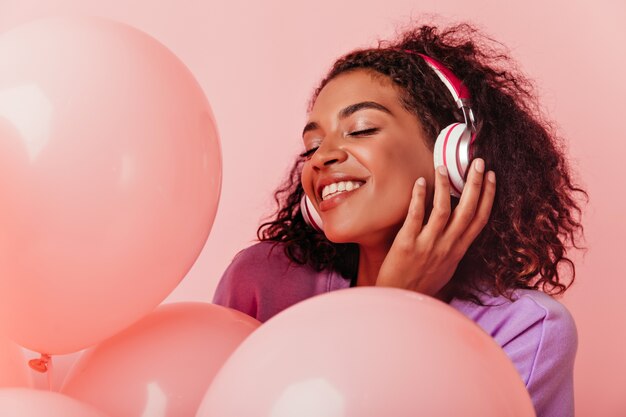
pixel 365 152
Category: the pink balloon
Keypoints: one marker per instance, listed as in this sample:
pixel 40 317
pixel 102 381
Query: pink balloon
pixel 163 364
pixel 110 172
pixel 23 402
pixel 368 352
pixel 14 370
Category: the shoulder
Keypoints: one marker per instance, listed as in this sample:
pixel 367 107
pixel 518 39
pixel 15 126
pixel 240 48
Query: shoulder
pixel 257 258
pixel 265 265
pixel 506 320
pixel 262 281
pixel 539 335
pixel 527 310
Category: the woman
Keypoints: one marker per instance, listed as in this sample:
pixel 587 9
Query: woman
pixel 387 214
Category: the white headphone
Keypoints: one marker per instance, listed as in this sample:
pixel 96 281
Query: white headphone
pixel 453 147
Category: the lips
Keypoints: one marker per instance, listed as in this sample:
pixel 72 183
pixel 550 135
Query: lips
pixel 333 200
pixel 331 184
pixel 339 187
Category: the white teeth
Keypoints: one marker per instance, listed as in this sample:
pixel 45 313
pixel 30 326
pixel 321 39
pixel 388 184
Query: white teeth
pixel 339 187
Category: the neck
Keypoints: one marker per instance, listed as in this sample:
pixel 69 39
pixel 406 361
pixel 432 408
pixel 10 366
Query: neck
pixel 370 261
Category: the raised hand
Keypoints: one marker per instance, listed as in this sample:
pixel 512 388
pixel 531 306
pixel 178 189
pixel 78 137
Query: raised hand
pixel 423 258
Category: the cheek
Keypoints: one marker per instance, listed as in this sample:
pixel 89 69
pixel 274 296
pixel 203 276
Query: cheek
pixel 395 181
pixel 396 196
pixel 405 157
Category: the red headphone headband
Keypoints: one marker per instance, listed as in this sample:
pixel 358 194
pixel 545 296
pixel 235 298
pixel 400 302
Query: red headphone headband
pixel 456 87
pixel 459 91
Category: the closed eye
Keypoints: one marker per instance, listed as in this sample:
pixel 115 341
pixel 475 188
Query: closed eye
pixel 308 153
pixel 364 132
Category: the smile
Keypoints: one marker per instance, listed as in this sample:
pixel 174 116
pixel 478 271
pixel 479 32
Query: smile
pixel 334 189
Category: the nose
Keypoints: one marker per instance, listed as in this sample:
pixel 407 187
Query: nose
pixel 327 154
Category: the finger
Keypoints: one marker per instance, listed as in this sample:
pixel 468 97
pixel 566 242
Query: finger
pixel 466 209
pixel 485 204
pixel 415 217
pixel 441 205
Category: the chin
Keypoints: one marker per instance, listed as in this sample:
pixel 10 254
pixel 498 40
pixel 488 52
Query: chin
pixel 338 237
pixel 372 236
pixel 340 234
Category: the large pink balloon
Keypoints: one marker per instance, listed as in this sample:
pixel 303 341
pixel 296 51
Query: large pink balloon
pixel 23 402
pixel 14 370
pixel 368 352
pixel 110 172
pixel 162 365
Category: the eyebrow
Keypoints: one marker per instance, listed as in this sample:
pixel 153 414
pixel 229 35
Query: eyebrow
pixel 351 109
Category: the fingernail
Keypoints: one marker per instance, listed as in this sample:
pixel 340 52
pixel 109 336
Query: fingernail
pixel 442 170
pixel 421 181
pixel 491 177
pixel 479 165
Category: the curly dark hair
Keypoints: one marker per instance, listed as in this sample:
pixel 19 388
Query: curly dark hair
pixel 536 214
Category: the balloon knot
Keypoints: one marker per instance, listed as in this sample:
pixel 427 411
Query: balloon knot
pixel 42 364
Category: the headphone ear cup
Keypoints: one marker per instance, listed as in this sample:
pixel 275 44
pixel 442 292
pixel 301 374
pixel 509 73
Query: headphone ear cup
pixel 311 216
pixel 452 150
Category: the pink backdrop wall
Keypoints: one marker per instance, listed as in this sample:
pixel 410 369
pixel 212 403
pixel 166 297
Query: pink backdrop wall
pixel 258 61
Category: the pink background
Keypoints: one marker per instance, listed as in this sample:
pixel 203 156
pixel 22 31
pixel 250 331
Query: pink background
pixel 258 61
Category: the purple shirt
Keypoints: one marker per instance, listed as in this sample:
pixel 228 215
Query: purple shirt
pixel 536 331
